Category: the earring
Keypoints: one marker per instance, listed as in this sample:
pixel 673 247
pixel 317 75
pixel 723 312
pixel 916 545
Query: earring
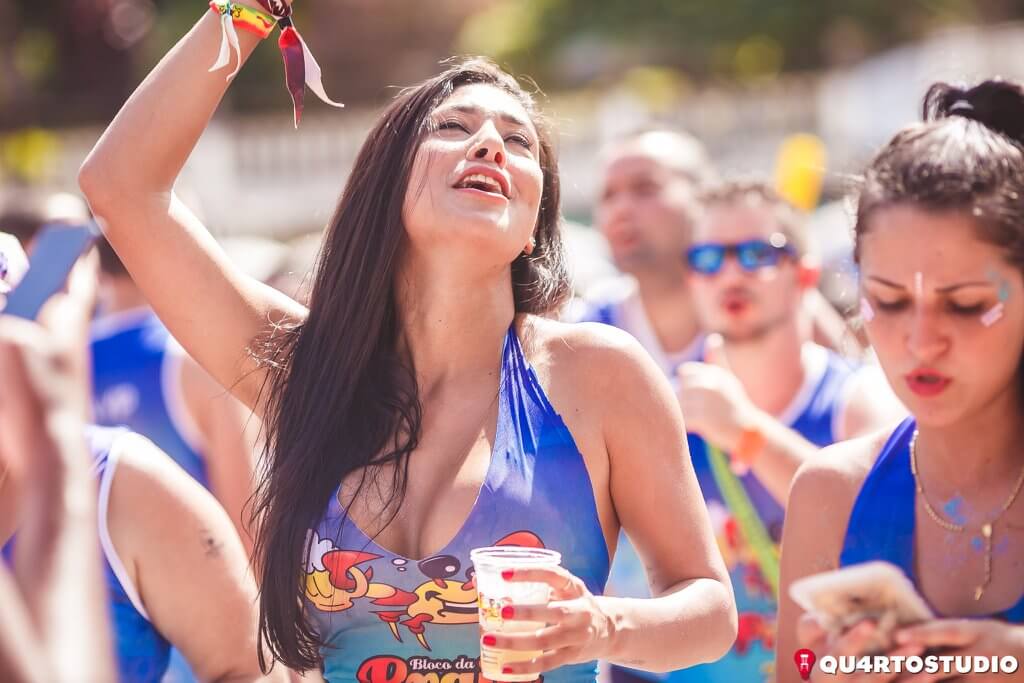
pixel 530 246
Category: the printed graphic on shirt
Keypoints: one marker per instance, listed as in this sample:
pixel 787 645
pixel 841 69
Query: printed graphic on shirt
pixel 445 595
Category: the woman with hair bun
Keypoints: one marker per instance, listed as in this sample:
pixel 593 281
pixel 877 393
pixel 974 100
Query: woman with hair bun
pixel 940 243
pixel 424 404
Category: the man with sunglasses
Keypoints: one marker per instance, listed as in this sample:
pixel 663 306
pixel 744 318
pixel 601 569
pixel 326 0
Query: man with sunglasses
pixel 765 399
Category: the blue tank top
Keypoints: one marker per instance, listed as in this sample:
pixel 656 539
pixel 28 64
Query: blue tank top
pixel 389 619
pixel 136 383
pixel 142 653
pixel 884 516
pixel 814 414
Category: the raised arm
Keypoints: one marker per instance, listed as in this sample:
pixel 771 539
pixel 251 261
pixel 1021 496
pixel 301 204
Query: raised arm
pixel 209 305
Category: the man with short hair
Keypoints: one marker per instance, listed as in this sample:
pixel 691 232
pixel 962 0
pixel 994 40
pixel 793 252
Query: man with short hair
pixel 765 399
pixel 645 210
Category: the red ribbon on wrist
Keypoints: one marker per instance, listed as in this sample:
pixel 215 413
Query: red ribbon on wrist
pixel 300 67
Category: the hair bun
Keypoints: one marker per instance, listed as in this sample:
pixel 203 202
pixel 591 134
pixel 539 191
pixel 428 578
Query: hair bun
pixel 996 104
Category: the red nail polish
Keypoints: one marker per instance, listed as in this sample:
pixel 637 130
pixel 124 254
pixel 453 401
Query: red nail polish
pixel 489 640
pixel 507 574
pixel 506 669
pixel 507 612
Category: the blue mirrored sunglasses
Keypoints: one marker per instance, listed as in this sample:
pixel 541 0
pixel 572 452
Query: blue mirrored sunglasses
pixel 707 258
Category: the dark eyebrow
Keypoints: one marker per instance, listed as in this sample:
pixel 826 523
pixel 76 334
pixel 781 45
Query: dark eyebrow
pixel 504 116
pixel 941 290
pixel 973 283
pixel 887 283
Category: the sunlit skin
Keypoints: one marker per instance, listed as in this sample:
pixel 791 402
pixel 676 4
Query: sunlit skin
pixel 454 305
pixel 743 305
pixel 480 229
pixel 941 330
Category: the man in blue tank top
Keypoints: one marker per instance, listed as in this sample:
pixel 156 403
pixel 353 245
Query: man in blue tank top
pixel 766 398
pixel 143 380
pixel 645 211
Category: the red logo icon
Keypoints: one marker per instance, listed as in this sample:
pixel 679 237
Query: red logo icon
pixel 804 660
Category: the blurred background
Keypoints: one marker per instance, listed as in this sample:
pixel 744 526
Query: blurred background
pixel 743 76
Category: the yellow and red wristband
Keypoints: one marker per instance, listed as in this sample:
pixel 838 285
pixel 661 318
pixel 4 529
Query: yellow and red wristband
pixel 246 17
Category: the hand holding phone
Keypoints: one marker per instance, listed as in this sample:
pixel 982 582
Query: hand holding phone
pixel 878 591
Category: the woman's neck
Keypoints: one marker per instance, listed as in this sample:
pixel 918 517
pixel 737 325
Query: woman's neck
pixel 453 325
pixel 982 453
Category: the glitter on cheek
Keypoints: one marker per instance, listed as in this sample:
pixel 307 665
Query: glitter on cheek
pixel 992 315
pixel 866 311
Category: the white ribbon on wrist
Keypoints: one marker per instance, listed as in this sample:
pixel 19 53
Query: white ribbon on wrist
pixel 228 42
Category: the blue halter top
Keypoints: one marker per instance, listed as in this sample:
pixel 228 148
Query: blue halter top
pixel 883 518
pixel 385 618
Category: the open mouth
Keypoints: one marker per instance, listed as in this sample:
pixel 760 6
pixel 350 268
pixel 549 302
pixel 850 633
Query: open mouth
pixel 485 181
pixel 927 382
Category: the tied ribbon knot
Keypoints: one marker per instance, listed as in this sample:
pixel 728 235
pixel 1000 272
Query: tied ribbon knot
pixel 228 42
pixel 300 67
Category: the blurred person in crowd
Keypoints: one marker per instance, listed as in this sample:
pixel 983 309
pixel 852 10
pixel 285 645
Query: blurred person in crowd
pixel 765 394
pixel 940 245
pixel 645 210
pixel 411 411
pixel 174 569
pixel 53 625
pixel 24 210
pixel 143 380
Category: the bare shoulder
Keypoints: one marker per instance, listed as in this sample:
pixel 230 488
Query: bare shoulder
pixel 601 380
pixel 843 466
pixel 826 487
pixel 151 495
pixel 586 354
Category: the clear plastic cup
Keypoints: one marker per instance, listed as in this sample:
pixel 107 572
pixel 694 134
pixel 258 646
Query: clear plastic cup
pixel 495 592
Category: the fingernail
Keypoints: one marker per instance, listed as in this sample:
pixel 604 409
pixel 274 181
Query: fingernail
pixel 507 612
pixel 488 639
pixel 506 669
pixel 507 574
pixel 903 638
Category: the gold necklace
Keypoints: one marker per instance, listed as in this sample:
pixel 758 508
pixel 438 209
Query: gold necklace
pixel 987 528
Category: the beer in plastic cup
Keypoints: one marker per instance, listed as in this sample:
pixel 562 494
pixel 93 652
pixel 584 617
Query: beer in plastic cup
pixel 494 592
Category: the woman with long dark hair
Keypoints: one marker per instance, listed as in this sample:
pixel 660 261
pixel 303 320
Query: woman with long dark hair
pixel 940 243
pixel 423 405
